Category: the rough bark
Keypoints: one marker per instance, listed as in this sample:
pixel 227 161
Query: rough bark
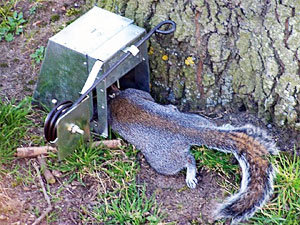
pixel 243 54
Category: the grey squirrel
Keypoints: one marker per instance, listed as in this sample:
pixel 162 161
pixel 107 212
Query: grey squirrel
pixel 164 135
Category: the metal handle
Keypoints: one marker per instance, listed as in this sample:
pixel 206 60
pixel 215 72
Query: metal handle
pixel 156 29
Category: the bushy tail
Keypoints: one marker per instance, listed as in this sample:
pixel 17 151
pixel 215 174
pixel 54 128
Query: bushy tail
pixel 250 145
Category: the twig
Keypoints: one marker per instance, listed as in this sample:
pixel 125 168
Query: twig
pixel 47 173
pixel 34 151
pixel 49 208
pixel 117 143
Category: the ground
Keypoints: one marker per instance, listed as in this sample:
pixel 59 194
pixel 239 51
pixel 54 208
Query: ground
pixel 21 199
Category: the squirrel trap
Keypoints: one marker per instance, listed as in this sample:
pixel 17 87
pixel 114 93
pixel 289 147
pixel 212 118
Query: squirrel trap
pixel 81 62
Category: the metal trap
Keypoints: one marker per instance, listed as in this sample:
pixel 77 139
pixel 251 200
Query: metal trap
pixel 81 62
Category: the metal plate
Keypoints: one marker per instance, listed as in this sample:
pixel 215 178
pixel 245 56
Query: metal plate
pixel 91 30
pixel 79 116
pixel 62 75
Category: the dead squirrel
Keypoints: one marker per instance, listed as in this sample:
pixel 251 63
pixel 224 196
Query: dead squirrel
pixel 164 135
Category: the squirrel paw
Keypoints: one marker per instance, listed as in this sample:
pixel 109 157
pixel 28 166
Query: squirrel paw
pixel 191 182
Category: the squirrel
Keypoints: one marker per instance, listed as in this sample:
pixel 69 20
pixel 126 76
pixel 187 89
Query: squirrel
pixel 164 135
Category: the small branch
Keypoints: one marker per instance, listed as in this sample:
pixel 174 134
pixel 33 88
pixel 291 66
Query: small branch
pixel 49 208
pixel 112 144
pixel 27 152
pixel 47 173
pixel 34 151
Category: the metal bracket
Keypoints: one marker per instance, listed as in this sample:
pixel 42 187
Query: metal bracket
pixel 71 127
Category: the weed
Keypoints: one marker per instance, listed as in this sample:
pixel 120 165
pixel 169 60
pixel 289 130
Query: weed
pixel 14 123
pixel 38 55
pixel 12 25
pixel 73 12
pixel 32 10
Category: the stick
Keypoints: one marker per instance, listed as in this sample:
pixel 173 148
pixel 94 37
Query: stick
pixel 117 143
pixel 49 208
pixel 47 173
pixel 26 152
pixel 34 151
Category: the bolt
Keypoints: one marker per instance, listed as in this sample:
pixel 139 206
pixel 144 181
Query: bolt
pixel 73 128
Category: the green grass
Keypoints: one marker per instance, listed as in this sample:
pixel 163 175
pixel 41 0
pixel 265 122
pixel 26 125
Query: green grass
pixel 284 208
pixel 123 201
pixel 220 163
pixel 129 205
pixel 14 124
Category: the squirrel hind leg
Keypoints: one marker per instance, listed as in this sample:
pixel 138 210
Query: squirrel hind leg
pixel 191 180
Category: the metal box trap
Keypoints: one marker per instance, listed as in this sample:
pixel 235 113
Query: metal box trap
pixel 81 62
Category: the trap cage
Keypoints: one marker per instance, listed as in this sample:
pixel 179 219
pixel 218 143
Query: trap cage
pixel 81 62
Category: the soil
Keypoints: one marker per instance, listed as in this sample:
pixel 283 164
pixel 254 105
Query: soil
pixel 18 79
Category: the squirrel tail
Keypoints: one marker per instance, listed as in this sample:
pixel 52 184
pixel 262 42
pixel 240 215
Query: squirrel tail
pixel 250 145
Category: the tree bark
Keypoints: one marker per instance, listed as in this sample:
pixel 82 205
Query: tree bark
pixel 239 54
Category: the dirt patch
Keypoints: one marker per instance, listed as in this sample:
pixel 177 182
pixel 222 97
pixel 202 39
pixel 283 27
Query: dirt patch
pixel 23 203
pixel 179 203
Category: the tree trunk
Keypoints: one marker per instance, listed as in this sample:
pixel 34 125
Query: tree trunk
pixel 239 54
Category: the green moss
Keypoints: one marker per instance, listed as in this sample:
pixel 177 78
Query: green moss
pixel 54 17
pixel 31 82
pixel 3 65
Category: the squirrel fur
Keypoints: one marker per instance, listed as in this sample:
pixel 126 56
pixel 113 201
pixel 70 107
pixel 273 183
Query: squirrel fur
pixel 164 135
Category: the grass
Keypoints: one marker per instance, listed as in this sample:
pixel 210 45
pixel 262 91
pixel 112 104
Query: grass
pixel 284 208
pixel 218 162
pixel 123 201
pixel 14 124
pixel 130 205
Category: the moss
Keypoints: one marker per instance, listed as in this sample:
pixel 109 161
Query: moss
pixel 54 17
pixel 3 64
pixel 208 79
pixel 31 82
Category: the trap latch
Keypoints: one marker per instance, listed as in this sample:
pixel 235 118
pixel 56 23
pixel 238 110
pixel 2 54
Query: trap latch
pixel 81 62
